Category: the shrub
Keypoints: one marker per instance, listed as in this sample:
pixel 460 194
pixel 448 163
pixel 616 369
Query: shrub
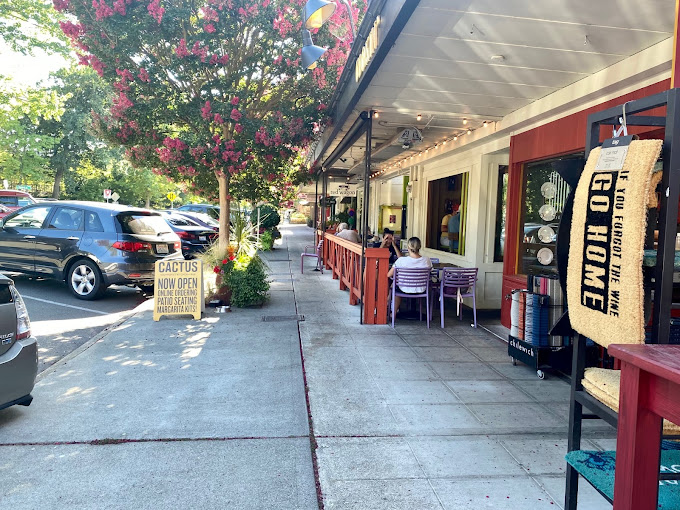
pixel 248 282
pixel 266 240
pixel 310 222
pixel 269 216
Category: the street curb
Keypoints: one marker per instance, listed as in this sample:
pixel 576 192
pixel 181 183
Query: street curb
pixel 99 336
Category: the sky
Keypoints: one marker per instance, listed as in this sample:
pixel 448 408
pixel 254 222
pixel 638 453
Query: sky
pixel 26 70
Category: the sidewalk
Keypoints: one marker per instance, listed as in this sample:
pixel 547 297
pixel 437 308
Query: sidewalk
pixel 213 414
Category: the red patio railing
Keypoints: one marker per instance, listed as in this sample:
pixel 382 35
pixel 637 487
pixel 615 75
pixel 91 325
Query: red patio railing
pixel 343 258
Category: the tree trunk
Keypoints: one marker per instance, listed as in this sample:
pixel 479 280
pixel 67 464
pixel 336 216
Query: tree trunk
pixel 224 212
pixel 56 189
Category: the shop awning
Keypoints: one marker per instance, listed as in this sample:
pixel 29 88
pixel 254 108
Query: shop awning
pixel 446 66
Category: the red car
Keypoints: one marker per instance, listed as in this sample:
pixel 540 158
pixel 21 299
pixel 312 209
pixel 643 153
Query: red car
pixel 11 200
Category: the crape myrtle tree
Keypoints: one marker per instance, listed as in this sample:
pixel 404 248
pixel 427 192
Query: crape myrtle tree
pixel 207 90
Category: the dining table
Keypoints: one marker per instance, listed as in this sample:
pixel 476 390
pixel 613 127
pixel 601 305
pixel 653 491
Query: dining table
pixel 649 392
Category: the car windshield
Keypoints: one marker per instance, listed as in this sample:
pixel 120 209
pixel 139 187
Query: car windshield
pixel 9 200
pixel 142 224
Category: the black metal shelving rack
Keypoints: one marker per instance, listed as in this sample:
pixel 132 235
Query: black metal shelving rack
pixel 659 279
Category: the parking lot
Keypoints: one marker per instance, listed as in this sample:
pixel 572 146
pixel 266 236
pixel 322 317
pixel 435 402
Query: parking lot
pixel 62 323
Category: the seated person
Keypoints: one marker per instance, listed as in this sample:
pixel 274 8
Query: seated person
pixel 453 228
pixel 414 260
pixel 389 242
pixel 345 233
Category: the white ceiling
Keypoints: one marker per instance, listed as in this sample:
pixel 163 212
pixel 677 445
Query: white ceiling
pixel 441 65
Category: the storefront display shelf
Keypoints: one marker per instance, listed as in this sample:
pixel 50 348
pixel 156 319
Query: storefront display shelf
pixel 539 358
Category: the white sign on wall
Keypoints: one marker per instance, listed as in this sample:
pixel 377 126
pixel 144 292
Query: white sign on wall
pixel 342 190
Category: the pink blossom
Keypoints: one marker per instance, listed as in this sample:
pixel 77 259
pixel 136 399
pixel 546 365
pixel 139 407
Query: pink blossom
pixel 238 128
pixel 269 158
pixel 72 30
pixel 182 50
pixel 156 10
pixel 278 60
pixel 97 65
pixel 119 7
pixel 144 75
pixel 102 11
pixel 321 107
pixel 120 105
pixel 224 59
pixel 213 60
pixel 210 28
pixel 60 5
pixel 206 110
pixel 235 100
pixel 235 115
pixel 218 119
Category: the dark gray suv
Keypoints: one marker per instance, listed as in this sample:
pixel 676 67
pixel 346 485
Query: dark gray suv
pixel 89 245
pixel 18 349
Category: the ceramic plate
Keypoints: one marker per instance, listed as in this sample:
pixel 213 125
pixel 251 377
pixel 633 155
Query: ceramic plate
pixel 545 256
pixel 548 190
pixel 547 212
pixel 546 234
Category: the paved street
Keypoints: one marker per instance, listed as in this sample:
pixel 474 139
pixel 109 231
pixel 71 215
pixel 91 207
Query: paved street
pixel 62 322
pixel 216 414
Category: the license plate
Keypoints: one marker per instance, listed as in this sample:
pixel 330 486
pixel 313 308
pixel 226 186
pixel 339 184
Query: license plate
pixel 202 238
pixel 162 248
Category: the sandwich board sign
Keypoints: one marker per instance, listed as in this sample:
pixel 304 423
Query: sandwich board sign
pixel 178 288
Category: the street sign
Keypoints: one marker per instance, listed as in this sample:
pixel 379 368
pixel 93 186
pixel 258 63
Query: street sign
pixel 172 196
pixel 107 194
pixel 178 288
pixel 24 187
pixel 115 196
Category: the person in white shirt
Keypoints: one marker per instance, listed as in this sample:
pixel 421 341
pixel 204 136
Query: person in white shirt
pixel 414 260
pixel 345 233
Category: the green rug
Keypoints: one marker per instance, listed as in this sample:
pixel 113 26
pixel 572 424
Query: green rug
pixel 598 469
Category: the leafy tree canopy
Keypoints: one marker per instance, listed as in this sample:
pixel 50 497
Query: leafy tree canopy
pixel 29 24
pixel 206 90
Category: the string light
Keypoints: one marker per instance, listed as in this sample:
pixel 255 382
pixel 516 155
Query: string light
pixel 469 131
pixel 376 115
pixel 444 142
pixel 464 122
pixel 455 137
pixel 484 124
pixel 419 117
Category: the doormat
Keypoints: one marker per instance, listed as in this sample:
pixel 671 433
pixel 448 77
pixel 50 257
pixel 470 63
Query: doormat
pixel 282 318
pixel 604 272
pixel 598 469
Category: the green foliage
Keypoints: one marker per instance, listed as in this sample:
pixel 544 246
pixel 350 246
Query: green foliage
pixel 267 240
pixel 242 235
pixel 26 25
pixel 310 222
pixel 24 148
pixel 268 214
pixel 248 282
pixel 298 218
pixel 342 217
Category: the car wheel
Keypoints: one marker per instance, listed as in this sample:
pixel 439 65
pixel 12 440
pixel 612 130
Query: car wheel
pixel 85 280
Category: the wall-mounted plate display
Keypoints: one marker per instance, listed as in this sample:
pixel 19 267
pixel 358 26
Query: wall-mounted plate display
pixel 547 212
pixel 548 190
pixel 546 234
pixel 545 256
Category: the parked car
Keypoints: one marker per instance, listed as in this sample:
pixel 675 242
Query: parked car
pixel 202 219
pixel 195 238
pixel 90 245
pixel 18 349
pixel 4 211
pixel 211 210
pixel 15 199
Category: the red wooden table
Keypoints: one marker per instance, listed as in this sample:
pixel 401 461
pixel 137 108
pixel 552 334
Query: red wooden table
pixel 650 391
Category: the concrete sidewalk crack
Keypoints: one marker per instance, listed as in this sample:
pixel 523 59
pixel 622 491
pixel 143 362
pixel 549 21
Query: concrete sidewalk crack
pixel 114 441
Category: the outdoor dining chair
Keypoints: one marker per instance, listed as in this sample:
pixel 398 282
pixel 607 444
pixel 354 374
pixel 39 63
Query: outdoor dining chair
pixel 405 278
pixel 317 255
pixel 458 283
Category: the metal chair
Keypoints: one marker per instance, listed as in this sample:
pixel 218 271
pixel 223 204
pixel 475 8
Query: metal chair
pixel 405 278
pixel 458 283
pixel 317 255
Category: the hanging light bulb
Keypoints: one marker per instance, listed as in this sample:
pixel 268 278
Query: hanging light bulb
pixel 444 142
pixel 455 137
pixel 419 117
pixel 376 115
pixel 469 131
pixel 464 122
pixel 485 123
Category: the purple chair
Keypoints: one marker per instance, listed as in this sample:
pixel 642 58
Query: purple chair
pixel 458 283
pixel 406 278
pixel 317 255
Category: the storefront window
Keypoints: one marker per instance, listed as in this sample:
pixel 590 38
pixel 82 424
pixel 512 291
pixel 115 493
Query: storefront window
pixel 447 214
pixel 501 204
pixel 545 194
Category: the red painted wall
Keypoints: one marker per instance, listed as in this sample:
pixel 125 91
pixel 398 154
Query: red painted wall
pixel 563 136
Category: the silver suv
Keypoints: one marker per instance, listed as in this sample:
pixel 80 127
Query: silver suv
pixel 18 349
